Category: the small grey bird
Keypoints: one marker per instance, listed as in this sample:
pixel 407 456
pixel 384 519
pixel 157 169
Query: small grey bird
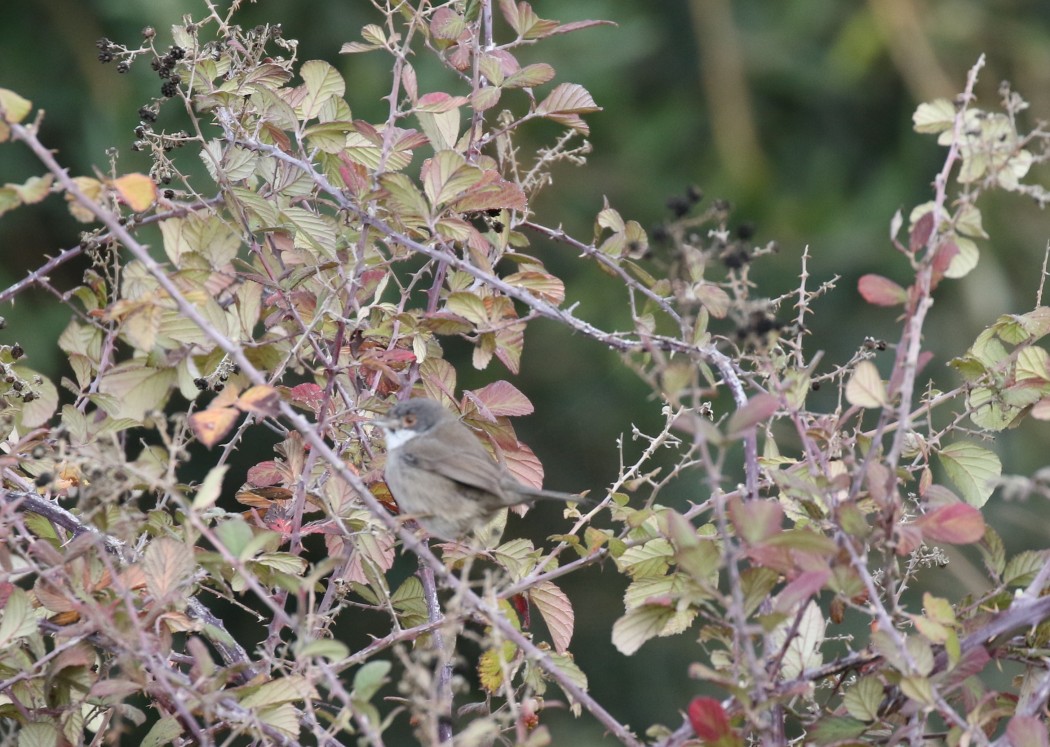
pixel 442 476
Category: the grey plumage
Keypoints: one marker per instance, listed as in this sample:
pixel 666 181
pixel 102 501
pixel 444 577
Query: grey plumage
pixel 442 476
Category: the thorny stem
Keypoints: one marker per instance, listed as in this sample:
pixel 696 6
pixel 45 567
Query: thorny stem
pixel 309 433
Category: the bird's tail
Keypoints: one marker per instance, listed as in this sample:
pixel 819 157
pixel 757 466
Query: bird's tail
pixel 550 495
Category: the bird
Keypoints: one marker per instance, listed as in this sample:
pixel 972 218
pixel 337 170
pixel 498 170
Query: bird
pixel 440 474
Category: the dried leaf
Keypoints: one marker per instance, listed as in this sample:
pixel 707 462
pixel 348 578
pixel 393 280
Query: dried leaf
pixel 211 426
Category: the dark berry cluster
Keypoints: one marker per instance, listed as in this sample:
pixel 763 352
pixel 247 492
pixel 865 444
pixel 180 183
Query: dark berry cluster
pixel 680 205
pixel 106 50
pixel 759 326
pixel 164 67
pixel 170 87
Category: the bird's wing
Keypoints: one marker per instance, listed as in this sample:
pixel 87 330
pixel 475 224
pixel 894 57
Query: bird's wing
pixel 468 464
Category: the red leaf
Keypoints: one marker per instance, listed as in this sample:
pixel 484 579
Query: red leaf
pixel 956 524
pixel 920 232
pixel 881 291
pixel 942 259
pixel 520 602
pixel 801 589
pixel 500 398
pixel 266 473
pixel 1026 731
pixel 757 410
pixel 708 719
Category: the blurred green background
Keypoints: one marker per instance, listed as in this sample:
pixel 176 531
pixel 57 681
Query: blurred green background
pixel 798 113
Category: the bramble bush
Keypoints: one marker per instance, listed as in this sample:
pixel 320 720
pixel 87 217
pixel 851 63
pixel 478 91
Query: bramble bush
pixel 306 277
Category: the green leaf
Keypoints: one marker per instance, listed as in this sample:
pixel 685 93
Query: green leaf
pixel 39 734
pixel 530 76
pixel 163 732
pixel 651 559
pixel 325 648
pixel 973 469
pixel 322 83
pixel 863 699
pixel 966 259
pixel 836 730
pixel 1021 569
pixel 211 488
pixel 289 689
pixel 368 679
pixel 136 389
pixel 447 176
pixel 936 116
pixel 13 108
pixel 18 619
pixel 639 625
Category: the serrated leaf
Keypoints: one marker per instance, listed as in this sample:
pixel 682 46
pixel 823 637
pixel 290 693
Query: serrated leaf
pixel 163 732
pixel 862 701
pixel 1020 570
pixel 38 411
pixel 546 286
pixel 18 619
pixel 934 117
pixel 485 98
pixel 639 625
pixel 836 730
pixel 136 388
pixel 567 98
pixel 289 689
pixel 447 176
pixel 973 469
pixel 804 648
pixel 865 387
pixel 557 612
pixel 502 399
pixel 322 83
pixel 530 76
pixel 524 20
pixel 650 559
pixel 965 260
pixel 565 103
pixel 167 565
pixel 956 524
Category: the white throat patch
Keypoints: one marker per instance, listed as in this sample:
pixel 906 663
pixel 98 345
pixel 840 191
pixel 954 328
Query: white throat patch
pixel 400 437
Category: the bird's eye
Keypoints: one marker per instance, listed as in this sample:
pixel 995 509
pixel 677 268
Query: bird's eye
pixel 409 420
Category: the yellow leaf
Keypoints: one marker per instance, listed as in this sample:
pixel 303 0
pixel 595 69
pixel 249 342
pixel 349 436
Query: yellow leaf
pixel 137 190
